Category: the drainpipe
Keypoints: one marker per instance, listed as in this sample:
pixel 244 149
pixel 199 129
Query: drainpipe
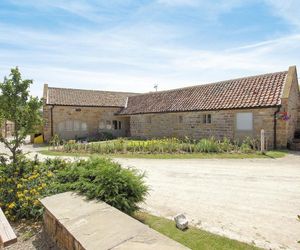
pixel 51 115
pixel 275 127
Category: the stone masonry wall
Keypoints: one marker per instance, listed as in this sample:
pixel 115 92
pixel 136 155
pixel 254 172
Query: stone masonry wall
pixel 290 103
pixel 191 124
pixel 95 119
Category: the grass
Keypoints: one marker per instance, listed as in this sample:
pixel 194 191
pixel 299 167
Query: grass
pixel 269 154
pixel 193 238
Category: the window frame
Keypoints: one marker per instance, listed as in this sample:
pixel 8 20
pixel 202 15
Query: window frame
pixel 207 118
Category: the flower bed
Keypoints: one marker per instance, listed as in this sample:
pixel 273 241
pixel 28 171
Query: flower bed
pixel 160 146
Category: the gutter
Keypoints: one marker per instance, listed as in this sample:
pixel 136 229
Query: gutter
pixel 275 126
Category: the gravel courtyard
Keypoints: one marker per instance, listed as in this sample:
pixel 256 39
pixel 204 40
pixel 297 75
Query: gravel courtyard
pixel 252 200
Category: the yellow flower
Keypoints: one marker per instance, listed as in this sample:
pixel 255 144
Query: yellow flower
pixel 50 174
pixel 19 186
pixel 11 205
pixel 19 194
pixel 36 203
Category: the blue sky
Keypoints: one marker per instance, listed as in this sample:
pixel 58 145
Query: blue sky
pixel 127 45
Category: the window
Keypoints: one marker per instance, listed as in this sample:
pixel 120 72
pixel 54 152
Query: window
pixel 83 126
pixel 101 125
pixel 115 124
pixel 244 121
pixel 108 124
pixel 148 119
pixel 76 125
pixel 61 126
pixel 120 125
pixel 180 119
pixel 207 118
pixel 69 125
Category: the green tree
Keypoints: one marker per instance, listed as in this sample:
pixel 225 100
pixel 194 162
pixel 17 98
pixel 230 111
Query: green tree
pixel 17 106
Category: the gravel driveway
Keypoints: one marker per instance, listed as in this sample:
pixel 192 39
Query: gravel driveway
pixel 251 200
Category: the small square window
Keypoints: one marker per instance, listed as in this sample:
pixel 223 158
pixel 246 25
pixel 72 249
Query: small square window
pixel 244 121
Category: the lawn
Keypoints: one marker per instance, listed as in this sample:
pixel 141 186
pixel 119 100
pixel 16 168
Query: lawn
pixel 269 154
pixel 193 238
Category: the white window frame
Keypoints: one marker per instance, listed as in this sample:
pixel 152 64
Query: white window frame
pixel 244 121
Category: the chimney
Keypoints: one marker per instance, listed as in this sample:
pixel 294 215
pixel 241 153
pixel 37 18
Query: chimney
pixel 45 93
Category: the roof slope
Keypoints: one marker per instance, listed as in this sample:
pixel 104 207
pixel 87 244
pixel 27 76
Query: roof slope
pixel 249 92
pixel 91 98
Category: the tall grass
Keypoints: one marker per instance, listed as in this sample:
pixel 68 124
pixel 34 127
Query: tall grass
pixel 161 146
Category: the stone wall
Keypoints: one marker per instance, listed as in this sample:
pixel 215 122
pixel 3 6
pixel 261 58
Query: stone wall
pixel 191 124
pixel 75 122
pixel 290 103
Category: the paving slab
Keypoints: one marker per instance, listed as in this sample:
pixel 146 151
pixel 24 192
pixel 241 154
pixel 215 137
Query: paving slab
pixel 97 225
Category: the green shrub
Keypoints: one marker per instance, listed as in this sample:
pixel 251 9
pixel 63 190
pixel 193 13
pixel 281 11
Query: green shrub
pixel 21 186
pixel 207 146
pixel 105 180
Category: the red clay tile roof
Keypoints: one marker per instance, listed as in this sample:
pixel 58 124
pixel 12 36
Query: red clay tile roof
pixel 249 92
pixel 80 97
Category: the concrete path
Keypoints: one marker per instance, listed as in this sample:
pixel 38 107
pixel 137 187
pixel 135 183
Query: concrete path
pixel 251 200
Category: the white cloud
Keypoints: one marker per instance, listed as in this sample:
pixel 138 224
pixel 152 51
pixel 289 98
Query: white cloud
pixel 130 61
pixel 287 9
pixel 136 56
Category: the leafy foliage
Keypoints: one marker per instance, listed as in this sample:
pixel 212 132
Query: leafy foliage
pixel 23 184
pixel 161 146
pixel 17 106
pixel 105 180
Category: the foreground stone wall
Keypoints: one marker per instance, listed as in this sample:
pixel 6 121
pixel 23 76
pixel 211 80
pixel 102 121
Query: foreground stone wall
pixel 75 223
pixel 71 122
pixel 191 124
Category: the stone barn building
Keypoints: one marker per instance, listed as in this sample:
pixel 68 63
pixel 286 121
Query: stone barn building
pixel 234 109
